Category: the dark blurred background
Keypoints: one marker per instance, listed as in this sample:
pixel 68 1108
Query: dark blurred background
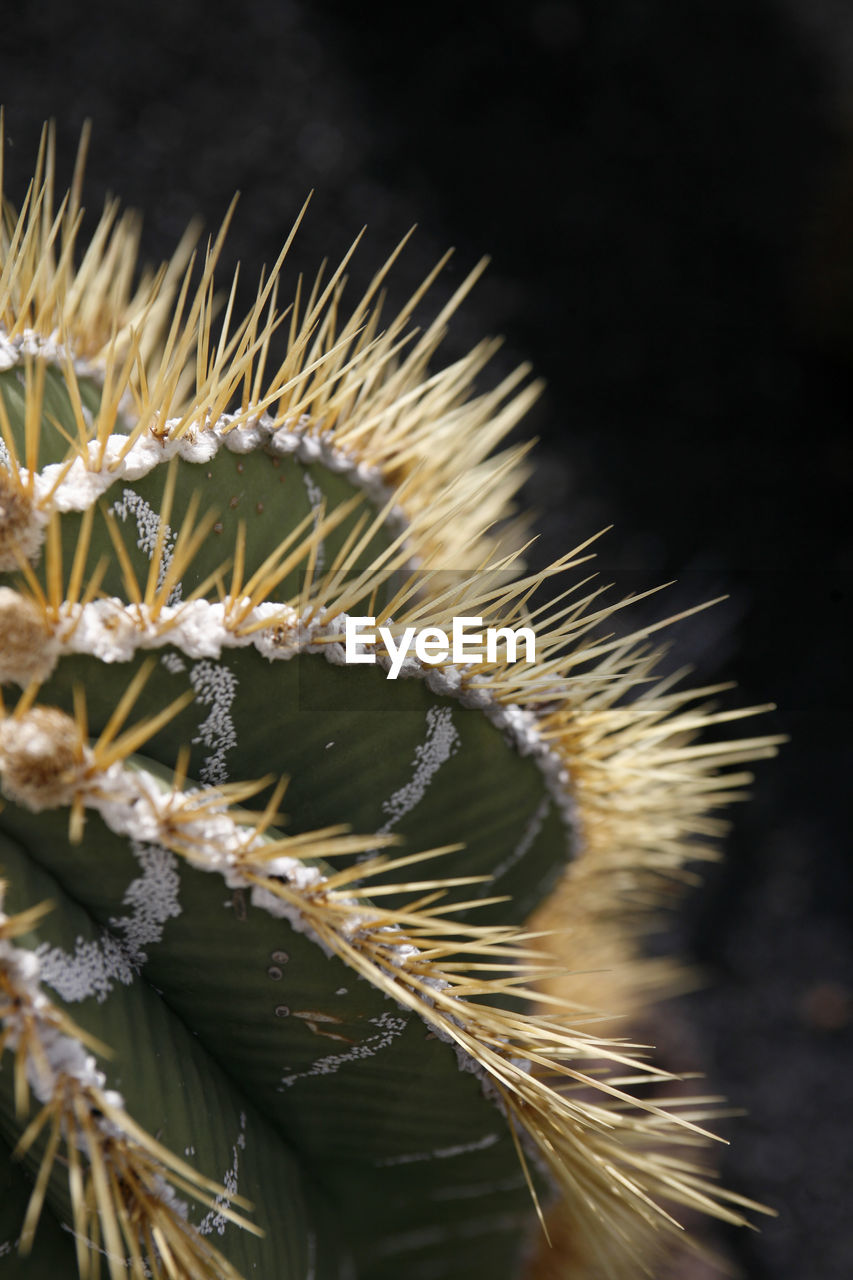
pixel 666 191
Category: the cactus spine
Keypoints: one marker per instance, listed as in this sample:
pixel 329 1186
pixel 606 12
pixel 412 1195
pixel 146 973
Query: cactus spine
pixel 355 1050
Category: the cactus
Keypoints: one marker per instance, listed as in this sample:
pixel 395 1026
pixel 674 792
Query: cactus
pixel 365 1037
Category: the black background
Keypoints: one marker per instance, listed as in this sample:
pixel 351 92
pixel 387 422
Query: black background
pixel 666 191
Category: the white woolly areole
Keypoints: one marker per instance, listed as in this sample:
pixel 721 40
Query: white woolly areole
pixel 58 487
pixel 48 349
pixel 28 542
pixel 114 631
pixel 31 344
pixel 63 1055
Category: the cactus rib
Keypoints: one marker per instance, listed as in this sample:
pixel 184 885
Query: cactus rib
pixel 269 506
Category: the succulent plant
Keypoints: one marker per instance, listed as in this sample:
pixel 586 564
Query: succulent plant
pixel 388 1032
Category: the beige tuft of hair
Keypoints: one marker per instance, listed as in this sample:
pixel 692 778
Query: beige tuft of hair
pixel 40 758
pixel 27 650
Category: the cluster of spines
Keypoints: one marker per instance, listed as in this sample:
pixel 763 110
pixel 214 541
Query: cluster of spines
pixel 608 1151
pixel 363 388
pixel 641 789
pixel 121 1180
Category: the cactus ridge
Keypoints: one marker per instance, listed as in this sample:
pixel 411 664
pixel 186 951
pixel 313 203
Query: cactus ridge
pixel 120 401
pixel 121 1181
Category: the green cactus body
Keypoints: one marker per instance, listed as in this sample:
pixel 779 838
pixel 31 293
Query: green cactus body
pixel 359 1035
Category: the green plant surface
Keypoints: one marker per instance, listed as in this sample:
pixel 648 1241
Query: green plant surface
pixel 340 970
